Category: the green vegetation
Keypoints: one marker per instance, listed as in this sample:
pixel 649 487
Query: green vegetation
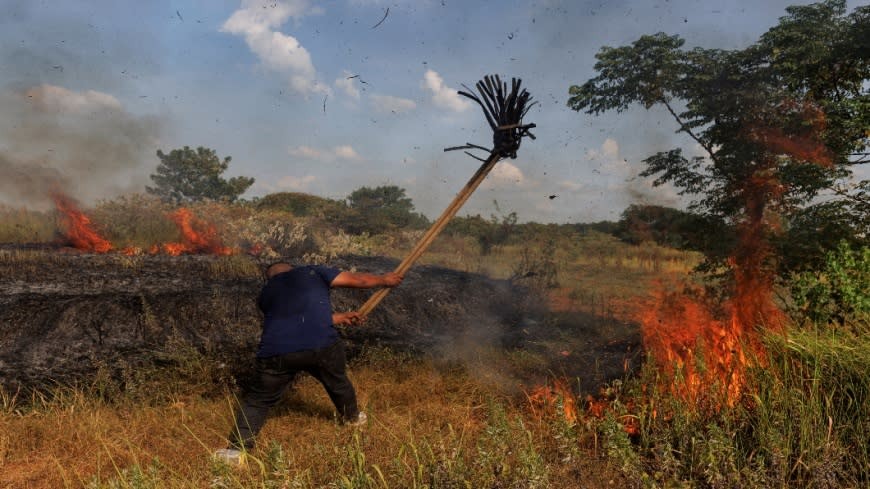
pixel 300 204
pixel 801 423
pixel 838 292
pixel 186 175
pixel 666 226
pixel 489 233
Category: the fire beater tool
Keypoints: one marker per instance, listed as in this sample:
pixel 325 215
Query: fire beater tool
pixel 504 111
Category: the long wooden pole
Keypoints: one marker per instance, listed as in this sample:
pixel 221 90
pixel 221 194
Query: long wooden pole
pixel 436 229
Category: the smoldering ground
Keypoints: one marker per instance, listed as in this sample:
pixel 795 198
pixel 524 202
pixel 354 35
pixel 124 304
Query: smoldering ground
pixel 68 317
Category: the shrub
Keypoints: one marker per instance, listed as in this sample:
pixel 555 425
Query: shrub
pixel 135 220
pixel 26 226
pixel 300 204
pixel 840 291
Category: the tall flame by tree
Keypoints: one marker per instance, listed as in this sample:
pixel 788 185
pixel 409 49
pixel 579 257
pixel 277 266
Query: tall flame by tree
pixel 777 124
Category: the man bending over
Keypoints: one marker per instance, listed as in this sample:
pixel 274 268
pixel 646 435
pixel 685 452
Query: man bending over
pixel 299 335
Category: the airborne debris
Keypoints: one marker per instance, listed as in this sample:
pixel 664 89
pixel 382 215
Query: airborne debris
pixel 358 78
pixel 383 19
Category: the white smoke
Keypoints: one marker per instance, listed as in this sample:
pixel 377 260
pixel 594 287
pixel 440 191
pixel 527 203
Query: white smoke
pixel 85 142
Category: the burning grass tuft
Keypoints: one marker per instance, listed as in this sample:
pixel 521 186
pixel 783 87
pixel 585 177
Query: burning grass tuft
pixel 801 422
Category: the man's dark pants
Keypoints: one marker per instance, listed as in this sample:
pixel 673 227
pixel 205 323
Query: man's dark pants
pixel 274 374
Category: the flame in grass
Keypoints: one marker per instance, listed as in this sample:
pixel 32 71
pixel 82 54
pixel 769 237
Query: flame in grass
pixel 704 348
pixel 77 227
pixel 557 398
pixel 197 236
pixel 559 402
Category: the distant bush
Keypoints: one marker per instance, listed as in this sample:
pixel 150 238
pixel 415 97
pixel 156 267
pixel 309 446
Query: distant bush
pixel 664 226
pixel 489 233
pixel 300 204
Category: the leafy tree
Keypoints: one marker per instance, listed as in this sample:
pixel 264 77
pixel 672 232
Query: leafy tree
pixel 782 123
pixel 187 175
pixel 381 209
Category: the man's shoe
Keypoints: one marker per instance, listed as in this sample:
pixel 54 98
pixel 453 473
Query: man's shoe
pixel 230 456
pixel 361 420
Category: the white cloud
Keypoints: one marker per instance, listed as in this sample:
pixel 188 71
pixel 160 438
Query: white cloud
pixel 388 103
pixel 505 174
pixel 343 152
pixel 257 22
pixel 58 99
pixel 291 182
pixel 347 85
pixel 608 152
pixel 346 153
pixel 442 95
pixel 307 152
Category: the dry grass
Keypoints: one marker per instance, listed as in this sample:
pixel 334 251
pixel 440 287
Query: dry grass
pixel 596 273
pixel 430 426
pixel 26 226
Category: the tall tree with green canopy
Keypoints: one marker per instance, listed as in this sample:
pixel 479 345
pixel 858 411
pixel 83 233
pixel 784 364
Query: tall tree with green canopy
pixel 782 122
pixel 186 175
pixel 378 209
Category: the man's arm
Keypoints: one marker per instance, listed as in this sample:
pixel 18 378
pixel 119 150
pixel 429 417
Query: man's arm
pixel 366 280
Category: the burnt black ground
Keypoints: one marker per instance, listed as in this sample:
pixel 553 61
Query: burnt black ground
pixel 66 316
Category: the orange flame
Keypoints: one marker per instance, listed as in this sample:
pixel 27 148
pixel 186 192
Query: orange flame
pixel 703 348
pixel 77 226
pixel 545 400
pixel 197 236
pixel 707 349
pixel 803 143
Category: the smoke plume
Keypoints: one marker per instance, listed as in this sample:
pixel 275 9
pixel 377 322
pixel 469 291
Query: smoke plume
pixel 84 142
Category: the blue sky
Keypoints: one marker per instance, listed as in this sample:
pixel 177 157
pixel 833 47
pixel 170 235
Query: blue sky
pixel 89 90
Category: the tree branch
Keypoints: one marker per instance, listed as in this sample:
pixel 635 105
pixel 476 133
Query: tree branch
pixel 686 129
pixel 839 191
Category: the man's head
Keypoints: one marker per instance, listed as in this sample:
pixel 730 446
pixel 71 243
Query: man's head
pixel 276 268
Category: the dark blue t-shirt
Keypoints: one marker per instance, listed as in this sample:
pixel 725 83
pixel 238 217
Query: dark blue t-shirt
pixel 297 312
